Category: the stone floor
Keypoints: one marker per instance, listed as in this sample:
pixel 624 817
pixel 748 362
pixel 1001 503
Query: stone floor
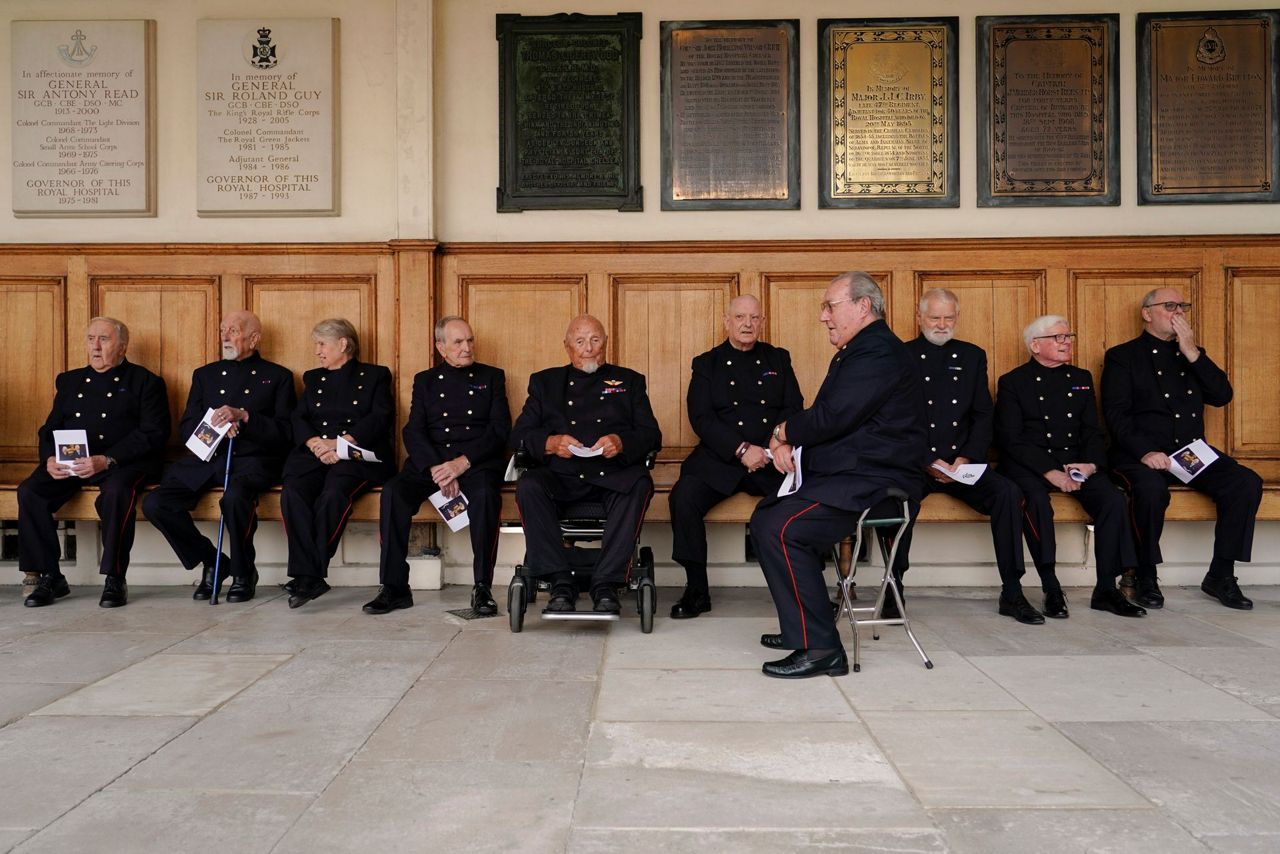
pixel 173 726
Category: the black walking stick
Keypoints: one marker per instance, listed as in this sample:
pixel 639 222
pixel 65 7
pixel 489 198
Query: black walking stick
pixel 222 519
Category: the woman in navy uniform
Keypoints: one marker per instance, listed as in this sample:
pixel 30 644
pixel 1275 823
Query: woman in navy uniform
pixel 343 397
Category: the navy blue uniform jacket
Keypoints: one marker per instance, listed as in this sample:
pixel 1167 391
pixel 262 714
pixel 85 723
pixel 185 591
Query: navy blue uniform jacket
pixel 1047 418
pixel 957 400
pixel 354 400
pixel 458 411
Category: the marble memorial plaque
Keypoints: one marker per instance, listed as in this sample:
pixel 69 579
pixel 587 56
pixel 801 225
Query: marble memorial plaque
pixel 267 104
pixel 82 118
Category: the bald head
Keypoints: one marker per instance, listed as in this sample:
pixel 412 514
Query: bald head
pixel 240 332
pixel 743 321
pixel 585 342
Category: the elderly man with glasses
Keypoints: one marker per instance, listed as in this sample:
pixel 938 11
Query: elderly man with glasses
pixel 1154 390
pixel 1049 439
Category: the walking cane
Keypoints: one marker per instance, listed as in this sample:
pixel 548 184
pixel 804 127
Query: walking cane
pixel 222 519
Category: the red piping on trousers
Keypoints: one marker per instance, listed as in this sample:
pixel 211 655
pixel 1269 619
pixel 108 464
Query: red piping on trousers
pixel 1133 520
pixel 636 536
pixel 345 513
pixel 133 500
pixel 1030 524
pixel 804 629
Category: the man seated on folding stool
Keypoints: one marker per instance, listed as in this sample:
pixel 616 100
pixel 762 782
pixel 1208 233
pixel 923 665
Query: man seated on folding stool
pixel 590 426
pixel 863 435
pixel 959 406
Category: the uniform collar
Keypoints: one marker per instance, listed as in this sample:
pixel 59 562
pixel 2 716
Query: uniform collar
pixel 1151 340
pixel 601 371
pixel 110 372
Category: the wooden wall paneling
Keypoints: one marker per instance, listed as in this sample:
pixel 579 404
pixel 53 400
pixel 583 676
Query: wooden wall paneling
pixel 415 319
pixel 32 325
pixel 519 323
pixel 290 307
pixel 994 309
pixel 660 322
pixel 1253 361
pixel 173 326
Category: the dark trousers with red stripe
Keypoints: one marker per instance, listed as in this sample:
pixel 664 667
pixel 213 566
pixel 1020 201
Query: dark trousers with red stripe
pixel 1113 551
pixel 1235 489
pixel 537 495
pixel 315 506
pixel 169 507
pixel 792 536
pixel 40 496
pixel 403 496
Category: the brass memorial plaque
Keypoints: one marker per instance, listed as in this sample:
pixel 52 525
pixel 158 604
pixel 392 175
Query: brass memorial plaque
pixel 1048 106
pixel 730 123
pixel 888 113
pixel 1207 107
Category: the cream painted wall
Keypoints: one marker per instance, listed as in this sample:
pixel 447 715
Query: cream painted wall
pixel 385 123
pixel 467 146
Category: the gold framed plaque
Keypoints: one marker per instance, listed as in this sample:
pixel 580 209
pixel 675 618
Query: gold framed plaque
pixel 888 113
pixel 1048 110
pixel 1207 107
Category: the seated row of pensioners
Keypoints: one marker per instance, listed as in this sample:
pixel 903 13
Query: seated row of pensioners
pixel 459 431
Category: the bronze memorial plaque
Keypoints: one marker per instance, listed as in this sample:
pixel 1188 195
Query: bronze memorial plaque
pixel 1048 108
pixel 569 117
pixel 887 104
pixel 1207 107
pixel 730 123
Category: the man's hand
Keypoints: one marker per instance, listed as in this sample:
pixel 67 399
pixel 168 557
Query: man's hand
pixel 57 470
pixel 229 415
pixel 325 450
pixel 558 445
pixel 450 489
pixel 89 466
pixel 1062 480
pixel 1186 337
pixel 447 474
pixel 755 458
pixel 1156 460
pixel 782 460
pixel 939 476
pixel 612 445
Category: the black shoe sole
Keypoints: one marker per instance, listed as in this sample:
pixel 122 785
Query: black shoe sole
pixel 1026 621
pixel 839 670
pixel 1107 608
pixel 377 612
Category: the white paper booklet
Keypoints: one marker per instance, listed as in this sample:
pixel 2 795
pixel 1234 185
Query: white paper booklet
pixel 204 440
pixel 792 481
pixel 452 510
pixel 69 446
pixel 349 451
pixel 1188 461
pixel 579 451
pixel 967 474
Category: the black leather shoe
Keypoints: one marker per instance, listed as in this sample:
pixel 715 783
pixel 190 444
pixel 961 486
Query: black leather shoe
pixel 204 590
pixel 692 603
pixel 290 586
pixel 482 600
pixel 605 600
pixel 1149 595
pixel 563 600
pixel 1020 609
pixel 389 599
pixel 1055 605
pixel 1113 600
pixel 798 665
pixel 48 588
pixel 771 641
pixel 243 588
pixel 115 593
pixel 1227 591
pixel 306 588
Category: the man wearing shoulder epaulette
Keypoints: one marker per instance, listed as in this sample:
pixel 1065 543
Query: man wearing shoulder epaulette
pixel 124 411
pixel 256 397
pixel 739 390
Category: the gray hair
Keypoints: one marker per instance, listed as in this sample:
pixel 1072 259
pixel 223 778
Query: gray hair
pixel 862 285
pixel 1151 295
pixel 442 323
pixel 339 327
pixel 940 294
pixel 122 331
pixel 1040 326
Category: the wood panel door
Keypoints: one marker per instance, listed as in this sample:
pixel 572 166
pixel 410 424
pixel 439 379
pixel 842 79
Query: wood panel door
pixel 290 307
pixel 32 326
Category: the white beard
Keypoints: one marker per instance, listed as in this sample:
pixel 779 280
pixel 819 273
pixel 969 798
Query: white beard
pixel 229 350
pixel 940 336
pixel 589 367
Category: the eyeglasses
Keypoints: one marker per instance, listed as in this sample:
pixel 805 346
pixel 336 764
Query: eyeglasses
pixel 827 306
pixel 1170 307
pixel 1061 337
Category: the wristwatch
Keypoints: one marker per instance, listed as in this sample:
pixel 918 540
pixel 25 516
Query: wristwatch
pixel 777 431
pixel 111 462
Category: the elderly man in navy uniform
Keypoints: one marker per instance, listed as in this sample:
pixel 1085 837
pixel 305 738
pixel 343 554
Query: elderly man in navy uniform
pixel 1154 389
pixel 124 410
pixel 960 429
pixel 456 439
pixel 256 398
pixel 1049 439
pixel 739 390
pixel 863 435
pixel 590 425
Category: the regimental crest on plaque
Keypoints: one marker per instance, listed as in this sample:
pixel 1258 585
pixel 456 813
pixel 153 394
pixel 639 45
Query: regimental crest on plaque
pixel 78 56
pixel 261 54
pixel 1210 50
